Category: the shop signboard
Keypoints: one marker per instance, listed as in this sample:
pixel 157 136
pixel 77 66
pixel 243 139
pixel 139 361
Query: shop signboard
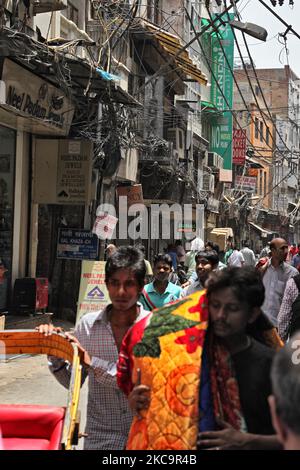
pixel 73 171
pixel 62 171
pixel 133 193
pixel 245 183
pixel 222 122
pixel 38 106
pixel 93 294
pixel 239 146
pixel 79 244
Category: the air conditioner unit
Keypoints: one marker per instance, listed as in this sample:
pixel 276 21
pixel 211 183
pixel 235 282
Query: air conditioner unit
pixel 214 160
pixel 208 183
pixel 176 136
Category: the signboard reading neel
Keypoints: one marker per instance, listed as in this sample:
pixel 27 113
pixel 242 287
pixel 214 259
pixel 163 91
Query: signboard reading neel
pixel 93 295
pixel 239 146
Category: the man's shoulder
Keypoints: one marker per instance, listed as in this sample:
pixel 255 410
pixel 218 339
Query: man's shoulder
pixel 261 351
pixel 91 317
pixel 174 289
pixel 258 355
pixel 149 287
pixel 291 270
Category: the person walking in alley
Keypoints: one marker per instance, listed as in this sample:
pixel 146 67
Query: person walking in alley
pixel 206 262
pixel 248 255
pixel 196 245
pixel 99 336
pixel 161 291
pixel 276 272
pixel 236 258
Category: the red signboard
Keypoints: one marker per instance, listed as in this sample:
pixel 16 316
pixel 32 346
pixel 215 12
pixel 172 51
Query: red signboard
pixel 239 146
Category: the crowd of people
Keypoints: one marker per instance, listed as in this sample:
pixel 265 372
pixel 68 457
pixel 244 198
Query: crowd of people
pixel 197 362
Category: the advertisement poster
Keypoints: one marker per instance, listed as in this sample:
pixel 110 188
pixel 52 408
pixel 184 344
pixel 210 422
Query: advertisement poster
pixel 93 295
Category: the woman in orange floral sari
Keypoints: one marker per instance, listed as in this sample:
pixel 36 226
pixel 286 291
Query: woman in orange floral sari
pixel 196 378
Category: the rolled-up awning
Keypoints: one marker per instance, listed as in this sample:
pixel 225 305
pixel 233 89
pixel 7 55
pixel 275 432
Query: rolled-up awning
pixel 172 45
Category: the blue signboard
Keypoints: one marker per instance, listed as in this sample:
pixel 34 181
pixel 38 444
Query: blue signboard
pixel 77 244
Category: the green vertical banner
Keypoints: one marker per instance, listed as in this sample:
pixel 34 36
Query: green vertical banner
pixel 222 123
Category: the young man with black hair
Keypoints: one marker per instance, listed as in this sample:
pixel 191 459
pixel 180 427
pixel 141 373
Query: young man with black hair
pixel 276 273
pixel 233 410
pixel 206 262
pixel 99 336
pixel 161 291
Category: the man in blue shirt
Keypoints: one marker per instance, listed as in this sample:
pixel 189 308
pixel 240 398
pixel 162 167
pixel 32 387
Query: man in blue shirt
pixel 160 291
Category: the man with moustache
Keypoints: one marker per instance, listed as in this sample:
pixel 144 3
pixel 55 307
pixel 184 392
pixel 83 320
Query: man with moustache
pixel 233 411
pixel 276 272
pixel 99 336
pixel 161 291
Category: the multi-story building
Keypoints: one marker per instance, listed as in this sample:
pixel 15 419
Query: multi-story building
pixel 51 90
pixel 279 110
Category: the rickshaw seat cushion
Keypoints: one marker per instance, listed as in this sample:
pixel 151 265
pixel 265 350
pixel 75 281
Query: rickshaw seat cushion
pixel 33 427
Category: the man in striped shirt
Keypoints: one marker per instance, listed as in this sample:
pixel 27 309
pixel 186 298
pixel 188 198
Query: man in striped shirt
pixel 99 335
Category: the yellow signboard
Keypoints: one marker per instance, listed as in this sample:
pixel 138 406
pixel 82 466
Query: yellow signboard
pixel 93 295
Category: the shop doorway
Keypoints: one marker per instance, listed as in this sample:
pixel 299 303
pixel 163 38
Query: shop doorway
pixel 7 183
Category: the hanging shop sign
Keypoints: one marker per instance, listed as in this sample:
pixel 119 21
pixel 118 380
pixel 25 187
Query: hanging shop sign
pixel 245 183
pixel 133 193
pixel 239 146
pixel 222 122
pixel 77 244
pixel 62 171
pixel 93 294
pixel 35 105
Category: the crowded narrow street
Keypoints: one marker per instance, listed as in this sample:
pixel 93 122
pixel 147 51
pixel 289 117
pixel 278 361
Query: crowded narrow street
pixel 149 228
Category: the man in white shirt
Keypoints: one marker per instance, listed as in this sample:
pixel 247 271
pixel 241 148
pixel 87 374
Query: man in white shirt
pixel 276 272
pixel 236 259
pixel 248 255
